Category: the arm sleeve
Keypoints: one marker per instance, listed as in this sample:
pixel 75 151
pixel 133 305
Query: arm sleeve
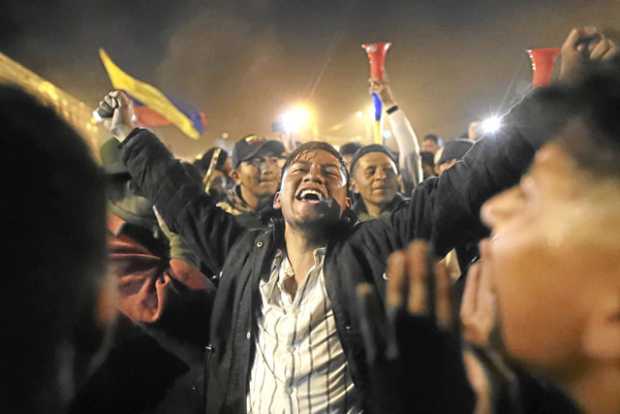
pixel 185 207
pixel 446 210
pixel 409 162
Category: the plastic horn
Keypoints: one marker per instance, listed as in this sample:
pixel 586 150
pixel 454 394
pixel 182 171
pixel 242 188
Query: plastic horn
pixel 376 53
pixel 542 65
pixel 376 58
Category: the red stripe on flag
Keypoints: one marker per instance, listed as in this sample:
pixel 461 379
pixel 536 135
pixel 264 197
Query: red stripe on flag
pixel 149 118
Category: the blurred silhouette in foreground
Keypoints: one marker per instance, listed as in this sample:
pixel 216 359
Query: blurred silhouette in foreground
pixel 58 304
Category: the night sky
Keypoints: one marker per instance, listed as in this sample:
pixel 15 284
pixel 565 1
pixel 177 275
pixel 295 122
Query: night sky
pixel 244 62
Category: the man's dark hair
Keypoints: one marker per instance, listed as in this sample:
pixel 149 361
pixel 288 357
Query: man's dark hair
pixel 372 148
pixel 596 102
pixel 315 146
pixel 350 148
pixel 431 137
pixel 54 229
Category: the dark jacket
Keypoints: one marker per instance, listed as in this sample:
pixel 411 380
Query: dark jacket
pixel 247 217
pixel 443 210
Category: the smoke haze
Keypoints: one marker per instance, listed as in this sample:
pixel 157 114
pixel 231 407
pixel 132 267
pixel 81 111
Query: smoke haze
pixel 244 62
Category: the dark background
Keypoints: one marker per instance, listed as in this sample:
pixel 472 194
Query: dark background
pixel 244 62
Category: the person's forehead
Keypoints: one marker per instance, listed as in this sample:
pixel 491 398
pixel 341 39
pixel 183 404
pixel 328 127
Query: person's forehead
pixel 375 159
pixel 317 156
pixel 264 153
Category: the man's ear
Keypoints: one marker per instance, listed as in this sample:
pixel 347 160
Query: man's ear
pixel 236 176
pixel 347 203
pixel 276 201
pixel 601 335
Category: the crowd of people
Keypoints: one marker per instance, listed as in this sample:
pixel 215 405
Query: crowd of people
pixel 476 275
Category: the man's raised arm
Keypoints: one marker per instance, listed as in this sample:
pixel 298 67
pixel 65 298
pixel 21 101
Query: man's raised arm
pixel 179 198
pixel 409 161
pixel 446 210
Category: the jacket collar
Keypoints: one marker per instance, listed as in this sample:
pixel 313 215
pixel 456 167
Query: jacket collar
pixel 234 200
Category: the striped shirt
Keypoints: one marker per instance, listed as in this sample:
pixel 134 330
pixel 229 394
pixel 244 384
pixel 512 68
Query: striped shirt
pixel 299 364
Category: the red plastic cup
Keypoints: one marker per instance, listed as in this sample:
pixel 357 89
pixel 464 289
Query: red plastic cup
pixel 542 64
pixel 376 57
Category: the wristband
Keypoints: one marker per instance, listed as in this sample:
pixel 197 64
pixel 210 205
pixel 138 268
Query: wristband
pixel 391 109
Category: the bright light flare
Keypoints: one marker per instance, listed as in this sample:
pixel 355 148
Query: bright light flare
pixel 296 119
pixel 491 125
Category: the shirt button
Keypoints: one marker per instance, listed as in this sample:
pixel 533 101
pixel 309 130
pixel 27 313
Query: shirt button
pixel 347 328
pixel 248 335
pixel 259 244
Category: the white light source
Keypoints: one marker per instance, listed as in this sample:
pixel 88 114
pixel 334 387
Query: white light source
pixel 296 119
pixel 491 125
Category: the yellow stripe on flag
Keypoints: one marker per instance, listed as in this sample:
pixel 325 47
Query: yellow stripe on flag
pixel 148 95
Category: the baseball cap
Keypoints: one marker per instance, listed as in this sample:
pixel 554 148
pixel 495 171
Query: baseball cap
pixel 252 145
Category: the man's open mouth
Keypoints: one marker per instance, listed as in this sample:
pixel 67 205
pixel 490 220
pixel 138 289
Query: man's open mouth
pixel 310 196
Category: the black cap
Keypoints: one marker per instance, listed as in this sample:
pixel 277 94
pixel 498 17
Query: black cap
pixel 454 150
pixel 251 145
pixel 372 148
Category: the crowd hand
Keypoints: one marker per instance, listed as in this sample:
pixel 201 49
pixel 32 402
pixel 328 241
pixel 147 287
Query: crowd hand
pixel 123 119
pixel 412 274
pixel 415 358
pixel 478 307
pixel 582 47
pixel 382 88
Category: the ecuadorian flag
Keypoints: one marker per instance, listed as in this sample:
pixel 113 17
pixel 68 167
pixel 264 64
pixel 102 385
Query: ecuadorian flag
pixel 153 108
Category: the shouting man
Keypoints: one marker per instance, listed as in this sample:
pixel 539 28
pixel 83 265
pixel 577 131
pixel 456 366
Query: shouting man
pixel 284 333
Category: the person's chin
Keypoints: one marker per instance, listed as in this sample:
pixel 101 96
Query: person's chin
pixel 315 215
pixel 271 184
pixel 380 200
